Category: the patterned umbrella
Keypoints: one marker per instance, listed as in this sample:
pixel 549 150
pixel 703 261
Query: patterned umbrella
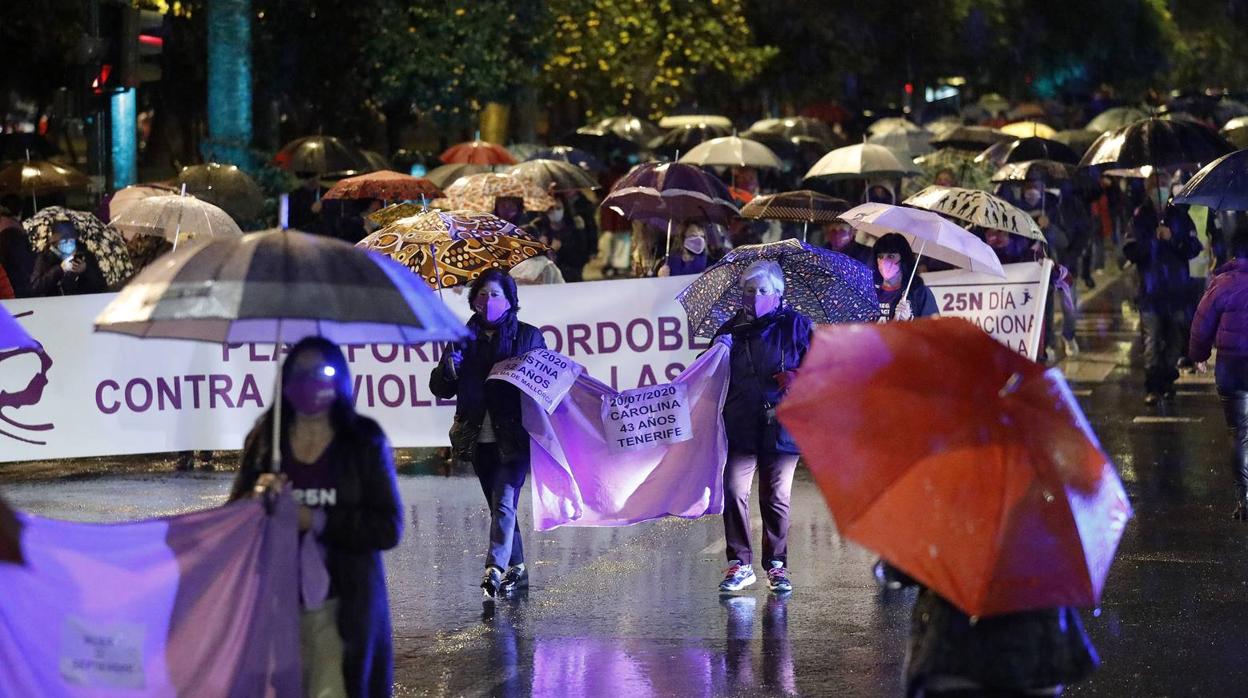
pixel 553 175
pixel 970 174
pixel 449 248
pixel 445 175
pixel 477 192
pixel 732 151
pixel 824 286
pixel 477 152
pixel 802 206
pixel 225 186
pixel 1156 143
pixel 394 212
pixel 386 185
pixel 567 153
pixel 671 192
pixel 176 219
pixel 320 155
pixel 39 178
pixel 1032 169
pixel 100 239
pixel 977 208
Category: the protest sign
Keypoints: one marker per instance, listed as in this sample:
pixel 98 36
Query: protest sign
pixel 646 417
pixel 542 374
pixel 1009 309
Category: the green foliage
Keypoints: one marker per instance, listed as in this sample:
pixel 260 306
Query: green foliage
pixel 648 56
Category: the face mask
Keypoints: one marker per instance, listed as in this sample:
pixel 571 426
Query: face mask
pixel 555 215
pixel 67 248
pixel 493 308
pixel 765 304
pixel 695 245
pixel 889 268
pixel 310 395
pixel 1031 197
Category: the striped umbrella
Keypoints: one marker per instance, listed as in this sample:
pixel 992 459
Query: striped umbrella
pixel 802 206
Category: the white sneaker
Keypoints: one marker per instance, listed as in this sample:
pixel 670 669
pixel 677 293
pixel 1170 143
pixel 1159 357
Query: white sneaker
pixel 737 577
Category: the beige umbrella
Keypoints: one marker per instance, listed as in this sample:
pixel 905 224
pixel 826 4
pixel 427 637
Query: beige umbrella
pixel 477 192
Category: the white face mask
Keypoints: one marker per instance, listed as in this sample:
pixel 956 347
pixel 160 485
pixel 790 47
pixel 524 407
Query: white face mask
pixel 696 244
pixel 555 215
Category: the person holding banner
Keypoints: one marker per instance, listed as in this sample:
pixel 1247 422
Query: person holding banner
pixel 768 342
pixel 488 430
pixel 340 468
pixel 902 293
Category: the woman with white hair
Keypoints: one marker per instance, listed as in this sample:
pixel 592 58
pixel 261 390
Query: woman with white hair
pixel 768 341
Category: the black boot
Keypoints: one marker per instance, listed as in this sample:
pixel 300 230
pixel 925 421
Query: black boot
pixel 1235 406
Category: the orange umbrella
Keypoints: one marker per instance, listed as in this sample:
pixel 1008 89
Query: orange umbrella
pixel 477 152
pixel 960 462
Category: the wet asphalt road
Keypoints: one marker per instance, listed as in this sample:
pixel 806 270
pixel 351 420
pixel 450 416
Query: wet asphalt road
pixel 634 611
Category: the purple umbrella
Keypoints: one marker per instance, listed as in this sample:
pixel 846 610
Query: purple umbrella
pixel 673 192
pixel 12 336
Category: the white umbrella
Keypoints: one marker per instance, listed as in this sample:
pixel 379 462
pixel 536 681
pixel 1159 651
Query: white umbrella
pixel 862 161
pixel 732 151
pixel 904 144
pixel 977 208
pixel 893 123
pixel 694 120
pixel 930 233
pixel 174 218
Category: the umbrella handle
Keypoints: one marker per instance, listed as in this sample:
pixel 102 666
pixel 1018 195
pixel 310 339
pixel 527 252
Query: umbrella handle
pixel 667 250
pixel 805 224
pixel 922 246
pixel 433 254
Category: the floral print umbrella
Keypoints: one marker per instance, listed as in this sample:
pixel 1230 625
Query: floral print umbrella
pixel 477 192
pixel 100 239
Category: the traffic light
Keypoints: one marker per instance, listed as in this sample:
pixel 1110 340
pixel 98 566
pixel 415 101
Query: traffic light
pixel 129 47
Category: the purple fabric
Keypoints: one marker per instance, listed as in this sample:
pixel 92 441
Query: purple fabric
pixel 313 485
pixel 1222 317
pixel 578 481
pixel 192 605
pixel 12 336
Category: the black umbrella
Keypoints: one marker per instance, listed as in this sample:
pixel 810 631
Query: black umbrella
pixel 558 175
pixel 974 138
pixel 795 126
pixel 601 141
pixel 1155 143
pixel 442 177
pixel 225 186
pixel 321 155
pixel 1221 185
pixel 567 153
pixel 683 138
pixel 1025 149
pixel 628 127
pixel 1047 170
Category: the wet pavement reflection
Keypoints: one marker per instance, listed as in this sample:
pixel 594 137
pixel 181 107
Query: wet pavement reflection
pixel 635 611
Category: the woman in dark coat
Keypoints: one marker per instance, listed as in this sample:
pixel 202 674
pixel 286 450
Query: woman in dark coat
pixel 768 342
pixel 340 467
pixel 488 430
pixel 66 268
pixel 894 268
pixel 1222 322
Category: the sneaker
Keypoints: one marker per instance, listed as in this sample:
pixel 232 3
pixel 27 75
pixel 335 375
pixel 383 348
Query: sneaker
pixel 884 576
pixel 517 577
pixel 737 577
pixel 490 581
pixel 1071 346
pixel 778 578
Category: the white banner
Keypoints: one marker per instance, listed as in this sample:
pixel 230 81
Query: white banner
pixel 542 374
pixel 646 417
pixel 1009 309
pixel 94 394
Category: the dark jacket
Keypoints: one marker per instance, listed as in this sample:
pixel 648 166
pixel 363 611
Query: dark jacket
pixel 922 300
pixel 1222 316
pixel 366 520
pixel 1161 265
pixel 474 395
pixel 17 259
pixel 574 242
pixel 49 279
pixel 1016 651
pixel 761 348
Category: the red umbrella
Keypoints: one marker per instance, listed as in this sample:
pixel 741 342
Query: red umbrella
pixel 960 462
pixel 386 185
pixel 477 152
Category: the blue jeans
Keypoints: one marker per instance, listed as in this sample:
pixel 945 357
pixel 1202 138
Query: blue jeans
pixel 501 482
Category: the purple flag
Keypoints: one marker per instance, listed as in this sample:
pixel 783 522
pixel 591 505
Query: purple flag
pixel 612 459
pixel 202 604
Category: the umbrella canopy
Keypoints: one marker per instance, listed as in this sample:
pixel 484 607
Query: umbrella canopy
pixel 225 186
pixel 1029 129
pixel 974 138
pixel 628 127
pixel 320 155
pixel 124 198
pixel 970 173
pixel 100 239
pixel 554 175
pixel 39 178
pixel 386 185
pixel 683 139
pixel 893 123
pixel 671 191
pixel 1115 118
pixel 1220 185
pixel 567 153
pixel 1236 131
pixel 803 206
pixel 991 490
pixel 1079 139
pixel 861 161
pixel 1156 143
pixel 928 234
pixel 603 141
pixel 681 120
pixel 977 208
pixel 993 102
pixel 176 219
pixel 445 175
pixel 477 192
pixel 450 248
pixel 12 336
pixel 1032 169
pixel 524 151
pixel 279 286
pixel 1027 110
pixel 393 212
pixel 793 126
pixel 477 152
pixel 376 161
pixel 904 144
pixel 732 151
pixel 824 286
pixel 1035 148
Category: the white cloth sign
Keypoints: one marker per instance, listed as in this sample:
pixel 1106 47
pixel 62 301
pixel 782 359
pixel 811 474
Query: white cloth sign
pixel 646 417
pixel 541 374
pixel 94 394
pixel 1009 309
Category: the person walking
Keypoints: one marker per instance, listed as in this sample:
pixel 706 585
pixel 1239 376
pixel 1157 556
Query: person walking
pixel 767 342
pixel 487 430
pixel 1160 244
pixel 341 471
pixel 894 268
pixel 1221 322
